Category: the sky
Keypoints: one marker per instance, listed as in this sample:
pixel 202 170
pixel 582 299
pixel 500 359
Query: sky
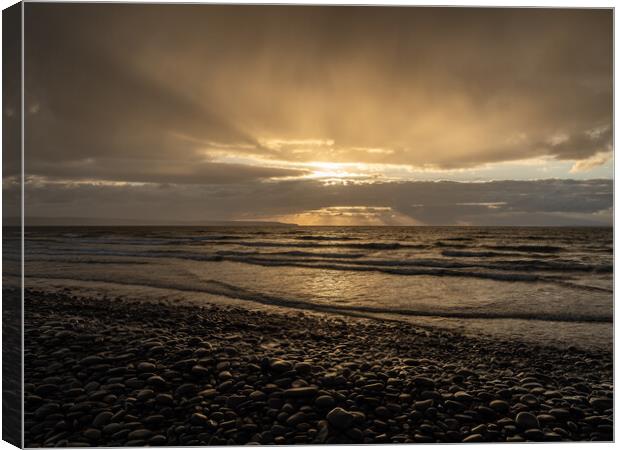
pixel 319 115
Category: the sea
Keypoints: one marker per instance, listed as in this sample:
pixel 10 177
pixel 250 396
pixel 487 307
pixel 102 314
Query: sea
pixel 546 286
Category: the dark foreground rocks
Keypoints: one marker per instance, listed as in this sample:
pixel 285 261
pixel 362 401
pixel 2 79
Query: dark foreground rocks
pixel 119 373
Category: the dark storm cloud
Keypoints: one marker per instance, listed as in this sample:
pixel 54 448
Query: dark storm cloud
pixel 545 202
pixel 444 87
pixel 91 114
pixel 152 170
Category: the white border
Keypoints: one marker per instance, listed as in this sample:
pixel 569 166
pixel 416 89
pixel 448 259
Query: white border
pixel 478 3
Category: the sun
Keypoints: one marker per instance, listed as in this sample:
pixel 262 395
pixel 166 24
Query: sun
pixel 332 170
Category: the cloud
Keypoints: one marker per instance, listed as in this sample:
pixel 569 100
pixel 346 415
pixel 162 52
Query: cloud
pixel 544 202
pixel 350 216
pixel 590 163
pixel 157 171
pixel 94 115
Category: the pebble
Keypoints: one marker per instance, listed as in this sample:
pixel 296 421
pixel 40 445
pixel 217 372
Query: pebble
pixel 185 390
pixel 533 434
pixel 145 367
pixel 102 419
pixel 473 438
pixel 92 434
pixel 340 418
pixel 303 368
pixel 463 397
pixel 560 414
pixel 208 393
pixel 424 382
pixel 91 360
pixel 423 404
pixel 198 419
pixel 158 440
pixel 112 428
pixel 280 365
pixel 157 382
pixel 325 401
pixel 601 403
pixel 139 434
pixel 201 371
pixel 526 420
pixel 500 406
pixel 309 391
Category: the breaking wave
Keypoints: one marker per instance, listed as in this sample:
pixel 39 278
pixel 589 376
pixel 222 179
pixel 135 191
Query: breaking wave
pixel 214 287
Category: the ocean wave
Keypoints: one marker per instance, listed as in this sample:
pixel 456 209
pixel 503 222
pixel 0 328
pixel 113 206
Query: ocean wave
pixel 294 253
pixel 223 237
pixel 418 271
pixel 130 254
pixel 115 241
pixel 324 264
pixel 518 265
pixel 527 248
pixel 355 245
pixel 451 245
pixel 584 287
pixel 215 287
pixel 392 270
pixel 356 261
pixel 478 254
pixel 120 262
pixel 230 290
pixel 326 238
pixel 552 265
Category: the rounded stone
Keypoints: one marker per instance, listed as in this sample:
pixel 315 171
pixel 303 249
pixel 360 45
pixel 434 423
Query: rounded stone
pixel 473 438
pixel 340 418
pixel 92 434
pixel 279 365
pixel 198 419
pixel 526 420
pixel 139 434
pixel 534 434
pixel 145 367
pixel 158 439
pixel 325 401
pixel 303 368
pixel 102 419
pixel 601 403
pixel 500 406
pixel 308 391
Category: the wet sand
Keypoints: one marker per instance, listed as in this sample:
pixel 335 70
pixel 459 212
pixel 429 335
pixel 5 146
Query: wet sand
pixel 118 372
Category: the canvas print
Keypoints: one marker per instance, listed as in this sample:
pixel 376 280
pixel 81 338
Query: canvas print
pixel 311 225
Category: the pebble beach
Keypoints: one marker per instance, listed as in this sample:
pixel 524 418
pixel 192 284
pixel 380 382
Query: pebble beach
pixel 127 373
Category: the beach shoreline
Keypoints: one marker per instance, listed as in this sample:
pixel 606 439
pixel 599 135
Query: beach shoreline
pixel 116 372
